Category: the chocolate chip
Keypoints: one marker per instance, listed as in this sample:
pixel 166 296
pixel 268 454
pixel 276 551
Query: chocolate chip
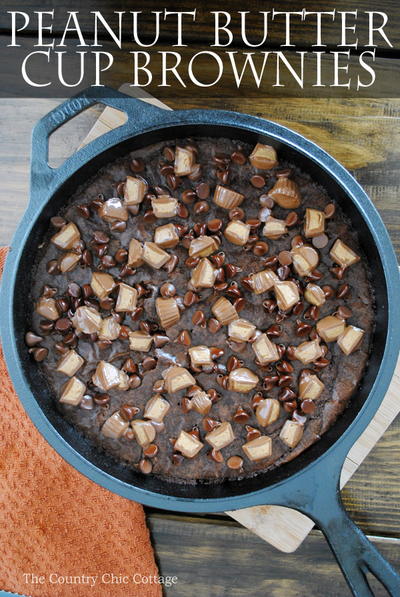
pixel 216 455
pixel 107 303
pixel 160 340
pixel 344 312
pixel 252 433
pixel 238 157
pixel 149 217
pixel 343 291
pixel 63 325
pixel 201 207
pixel 134 381
pixel 61 348
pixel 52 267
pixel 298 308
pixel 128 411
pixel 87 258
pixel 213 325
pixel 241 416
pixel 126 270
pixel 149 363
pixel 234 462
pixel 86 402
pixel 274 330
pixel 297 241
pixel 49 291
pixel 74 290
pixel 101 399
pixel 209 424
pixel 101 237
pixel 214 225
pixel 192 261
pixel 287 394
pixel 118 226
pixel 182 211
pixel 121 255
pixel 269 305
pixel 188 196
pixel 338 272
pixel 328 291
pixel 269 382
pixel 198 317
pixel 321 363
pixel 171 264
pixel 239 304
pixel 39 354
pixel 302 328
pixel 290 406
pixel 167 290
pixel 260 248
pixel 169 153
pixel 190 298
pixel 223 175
pixel 203 190
pixel 184 338
pixel 283 272
pixel 308 407
pixel 31 339
pixel 166 169
pixel 57 221
pixel 320 241
pixel 83 210
pixel 257 181
pixel 177 459
pixel 151 451
pixel 291 219
pixel 137 165
pixel 231 270
pixel 107 261
pixel 315 275
pixel 236 213
pixel 330 210
pixel 266 201
pixel 271 261
pixel 129 365
pixel 145 466
pixel 98 202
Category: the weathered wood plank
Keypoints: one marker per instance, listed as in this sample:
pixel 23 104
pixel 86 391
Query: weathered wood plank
pixel 303 33
pixel 191 72
pixel 217 560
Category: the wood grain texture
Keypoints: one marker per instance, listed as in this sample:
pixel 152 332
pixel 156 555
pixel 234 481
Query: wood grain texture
pixel 202 30
pixel 219 560
pixel 199 75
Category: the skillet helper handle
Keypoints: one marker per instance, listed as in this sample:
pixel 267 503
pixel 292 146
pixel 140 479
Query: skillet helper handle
pixel 139 114
pixel 355 554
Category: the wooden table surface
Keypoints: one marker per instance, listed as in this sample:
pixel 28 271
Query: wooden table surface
pixel 212 555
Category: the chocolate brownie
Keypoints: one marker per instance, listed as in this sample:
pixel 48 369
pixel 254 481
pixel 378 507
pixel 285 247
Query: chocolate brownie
pixel 201 310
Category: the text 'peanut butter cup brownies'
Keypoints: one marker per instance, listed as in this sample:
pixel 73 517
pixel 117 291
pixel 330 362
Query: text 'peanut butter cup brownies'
pixel 201 310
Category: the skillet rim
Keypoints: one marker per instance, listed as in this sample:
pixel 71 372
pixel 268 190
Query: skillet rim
pixel 352 190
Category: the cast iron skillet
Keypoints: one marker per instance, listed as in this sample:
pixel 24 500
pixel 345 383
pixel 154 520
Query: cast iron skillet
pixel 310 483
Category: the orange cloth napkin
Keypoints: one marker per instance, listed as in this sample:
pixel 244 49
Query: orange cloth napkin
pixel 55 523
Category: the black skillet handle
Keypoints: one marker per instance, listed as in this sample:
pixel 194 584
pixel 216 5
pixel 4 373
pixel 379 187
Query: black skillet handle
pixel 139 114
pixel 355 554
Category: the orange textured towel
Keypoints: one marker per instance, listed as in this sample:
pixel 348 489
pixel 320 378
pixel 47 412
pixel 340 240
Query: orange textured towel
pixel 56 524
